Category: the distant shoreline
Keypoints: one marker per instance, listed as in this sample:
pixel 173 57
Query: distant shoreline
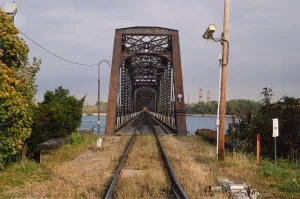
pixel 85 114
pixel 204 115
pixel 194 115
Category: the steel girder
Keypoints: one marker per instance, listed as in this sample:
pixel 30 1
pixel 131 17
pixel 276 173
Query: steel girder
pixel 147 43
pixel 146 58
pixel 146 68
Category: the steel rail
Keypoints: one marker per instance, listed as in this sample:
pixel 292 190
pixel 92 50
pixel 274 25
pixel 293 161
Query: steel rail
pixel 127 125
pixel 139 124
pixel 176 187
pixel 125 153
pixel 164 127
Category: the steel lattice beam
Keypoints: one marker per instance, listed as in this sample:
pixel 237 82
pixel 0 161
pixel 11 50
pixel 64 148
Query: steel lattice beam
pixel 146 71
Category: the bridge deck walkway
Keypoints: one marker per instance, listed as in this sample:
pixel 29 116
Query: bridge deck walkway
pixel 129 129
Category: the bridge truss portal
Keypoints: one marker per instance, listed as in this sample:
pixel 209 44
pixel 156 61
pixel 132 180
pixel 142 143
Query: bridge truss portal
pixel 146 72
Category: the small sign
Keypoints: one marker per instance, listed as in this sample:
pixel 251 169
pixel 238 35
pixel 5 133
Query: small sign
pixel 275 128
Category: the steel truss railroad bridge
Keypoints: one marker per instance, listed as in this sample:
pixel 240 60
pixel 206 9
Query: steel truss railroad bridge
pixel 146 72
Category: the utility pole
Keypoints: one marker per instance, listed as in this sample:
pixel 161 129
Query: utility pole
pixel 221 153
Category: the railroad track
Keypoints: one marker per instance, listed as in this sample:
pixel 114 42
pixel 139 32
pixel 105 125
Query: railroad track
pixel 150 121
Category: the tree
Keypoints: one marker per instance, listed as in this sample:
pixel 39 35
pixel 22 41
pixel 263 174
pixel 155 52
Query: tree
pixel 241 129
pixel 233 107
pixel 57 116
pixel 287 110
pixel 267 94
pixel 17 78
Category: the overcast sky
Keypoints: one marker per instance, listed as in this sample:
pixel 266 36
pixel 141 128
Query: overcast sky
pixel 262 35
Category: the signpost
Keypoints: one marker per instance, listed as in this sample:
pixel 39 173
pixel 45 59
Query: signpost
pixel 275 134
pixel 257 149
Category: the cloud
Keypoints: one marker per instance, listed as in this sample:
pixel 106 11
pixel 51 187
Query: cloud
pixel 263 42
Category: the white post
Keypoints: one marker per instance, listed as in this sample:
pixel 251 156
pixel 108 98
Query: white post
pixel 218 114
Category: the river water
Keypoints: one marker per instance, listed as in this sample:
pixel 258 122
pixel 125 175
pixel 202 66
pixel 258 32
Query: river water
pixel 193 122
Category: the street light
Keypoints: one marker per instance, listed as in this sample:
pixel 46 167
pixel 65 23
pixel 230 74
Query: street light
pixel 99 93
pixel 209 32
pixel 208 35
pixel 10 9
pixel 223 64
pixel 220 123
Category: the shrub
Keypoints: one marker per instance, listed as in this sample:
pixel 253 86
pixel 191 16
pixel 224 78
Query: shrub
pixel 76 139
pixel 287 110
pixel 17 90
pixel 57 116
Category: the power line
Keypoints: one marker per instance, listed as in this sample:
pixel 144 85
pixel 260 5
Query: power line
pixel 72 62
pixel 48 51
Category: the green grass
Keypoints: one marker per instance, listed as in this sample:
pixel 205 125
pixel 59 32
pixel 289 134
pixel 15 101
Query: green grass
pixel 24 171
pixel 286 177
pixel 283 182
pixel 21 172
pixel 77 139
pixel 68 152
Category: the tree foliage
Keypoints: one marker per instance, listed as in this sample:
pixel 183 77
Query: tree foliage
pixel 17 90
pixel 90 109
pixel 233 107
pixel 57 116
pixel 287 110
pixel 267 94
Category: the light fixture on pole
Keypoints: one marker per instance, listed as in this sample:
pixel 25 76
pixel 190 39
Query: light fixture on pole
pixel 10 9
pixel 98 102
pixel 224 41
pixel 208 34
